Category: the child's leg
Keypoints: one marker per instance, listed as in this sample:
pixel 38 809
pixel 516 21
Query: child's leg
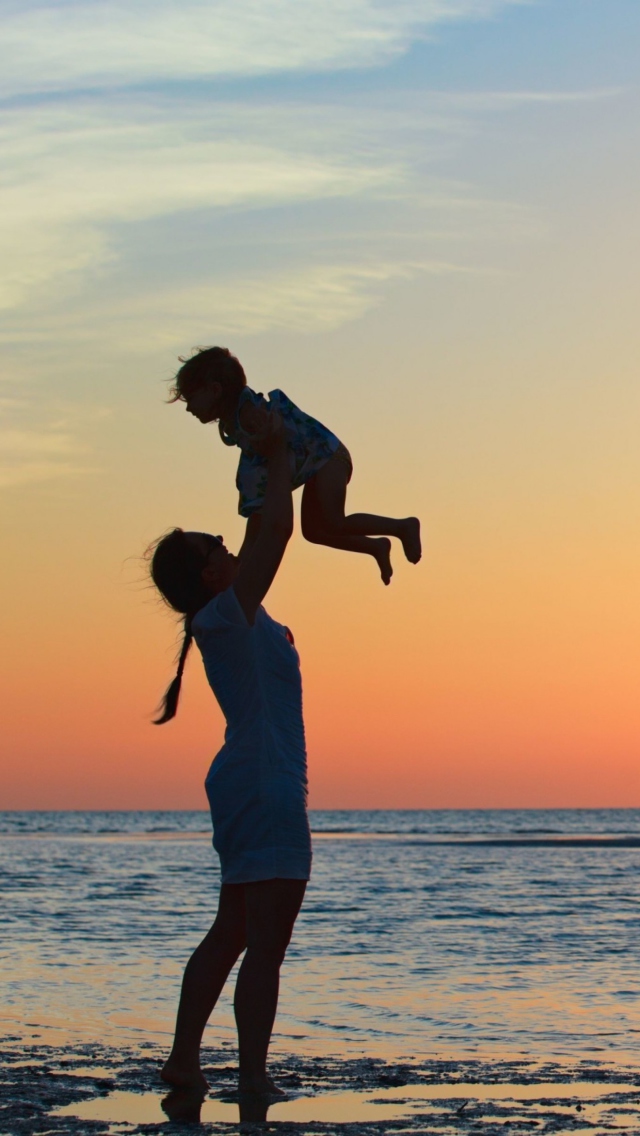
pixel 317 529
pixel 324 520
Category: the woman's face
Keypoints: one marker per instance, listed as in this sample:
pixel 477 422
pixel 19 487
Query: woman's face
pixel 221 566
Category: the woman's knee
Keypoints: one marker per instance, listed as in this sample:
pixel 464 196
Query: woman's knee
pixel 225 938
pixel 269 937
pixel 231 935
pixel 228 932
pixel 272 907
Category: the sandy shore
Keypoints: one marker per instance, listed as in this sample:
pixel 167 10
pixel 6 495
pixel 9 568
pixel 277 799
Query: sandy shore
pixel 39 1080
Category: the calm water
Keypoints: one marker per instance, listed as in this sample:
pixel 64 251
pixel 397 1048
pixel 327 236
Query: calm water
pixel 421 933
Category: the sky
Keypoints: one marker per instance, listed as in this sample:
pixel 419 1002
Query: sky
pixel 419 218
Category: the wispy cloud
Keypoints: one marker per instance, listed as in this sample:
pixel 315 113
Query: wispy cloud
pixel 28 456
pixel 504 100
pixel 82 176
pixel 41 452
pixel 314 299
pixel 28 472
pixel 82 43
pixel 75 176
pixel 69 172
pixel 26 443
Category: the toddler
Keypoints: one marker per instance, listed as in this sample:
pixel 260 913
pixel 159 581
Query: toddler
pixel 214 387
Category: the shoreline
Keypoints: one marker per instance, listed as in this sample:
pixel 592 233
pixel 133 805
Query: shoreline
pixel 456 1095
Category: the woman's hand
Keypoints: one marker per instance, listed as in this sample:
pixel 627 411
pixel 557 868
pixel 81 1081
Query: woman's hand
pixel 271 435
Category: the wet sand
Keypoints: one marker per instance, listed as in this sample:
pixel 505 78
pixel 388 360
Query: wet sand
pixel 95 1089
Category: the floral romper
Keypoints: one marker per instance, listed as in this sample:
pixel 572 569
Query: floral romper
pixel 310 447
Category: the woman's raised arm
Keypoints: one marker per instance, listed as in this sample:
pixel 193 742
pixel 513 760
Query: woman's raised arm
pixel 259 565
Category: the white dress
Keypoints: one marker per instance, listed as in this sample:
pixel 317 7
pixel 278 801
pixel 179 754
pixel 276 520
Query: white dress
pixel 257 783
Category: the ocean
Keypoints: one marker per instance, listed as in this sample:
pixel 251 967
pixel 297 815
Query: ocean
pixel 424 934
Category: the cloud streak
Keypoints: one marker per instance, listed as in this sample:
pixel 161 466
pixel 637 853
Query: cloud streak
pixel 83 176
pixel 80 44
pixel 27 456
pixel 44 450
pixel 69 172
pixel 307 300
pixel 505 100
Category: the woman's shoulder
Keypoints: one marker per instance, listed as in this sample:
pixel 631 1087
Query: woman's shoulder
pixel 222 613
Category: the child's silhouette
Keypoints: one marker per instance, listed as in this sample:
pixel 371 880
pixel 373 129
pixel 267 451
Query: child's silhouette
pixel 214 387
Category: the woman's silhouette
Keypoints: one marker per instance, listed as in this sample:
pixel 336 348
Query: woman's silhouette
pixel 257 784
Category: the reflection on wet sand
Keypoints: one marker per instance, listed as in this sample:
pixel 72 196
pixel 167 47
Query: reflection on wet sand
pixel 515 1103
pixel 253 1107
pixel 106 1089
pixel 185 1105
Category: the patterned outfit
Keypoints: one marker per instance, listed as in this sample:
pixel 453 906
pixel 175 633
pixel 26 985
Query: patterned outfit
pixel 310 447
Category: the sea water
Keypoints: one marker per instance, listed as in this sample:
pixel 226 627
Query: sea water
pixel 423 934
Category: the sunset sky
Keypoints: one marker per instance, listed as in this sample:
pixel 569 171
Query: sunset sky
pixel 420 219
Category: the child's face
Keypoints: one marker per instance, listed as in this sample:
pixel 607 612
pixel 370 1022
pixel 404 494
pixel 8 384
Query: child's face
pixel 204 402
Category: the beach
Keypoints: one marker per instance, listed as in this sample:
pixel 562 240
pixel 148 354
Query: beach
pixel 451 971
pixel 99 1090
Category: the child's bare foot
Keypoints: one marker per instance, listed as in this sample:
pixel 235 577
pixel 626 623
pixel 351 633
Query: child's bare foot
pixel 382 551
pixel 184 1076
pixel 410 536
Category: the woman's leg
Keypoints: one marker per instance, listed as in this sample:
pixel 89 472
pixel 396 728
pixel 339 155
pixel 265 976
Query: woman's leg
pixel 205 975
pixel 324 522
pixel 271 908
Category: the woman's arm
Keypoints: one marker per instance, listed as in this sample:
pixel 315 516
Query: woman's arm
pixel 261 562
pixel 251 534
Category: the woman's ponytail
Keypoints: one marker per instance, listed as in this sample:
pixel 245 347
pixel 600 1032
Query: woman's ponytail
pixel 176 566
pixel 169 703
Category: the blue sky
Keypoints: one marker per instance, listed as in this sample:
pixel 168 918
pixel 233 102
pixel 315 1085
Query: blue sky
pixel 180 172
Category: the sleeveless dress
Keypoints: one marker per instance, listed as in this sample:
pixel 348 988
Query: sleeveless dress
pixel 310 446
pixel 257 783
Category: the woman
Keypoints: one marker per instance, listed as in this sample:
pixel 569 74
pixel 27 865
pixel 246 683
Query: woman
pixel 257 784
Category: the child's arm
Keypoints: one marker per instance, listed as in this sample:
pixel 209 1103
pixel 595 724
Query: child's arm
pixel 251 534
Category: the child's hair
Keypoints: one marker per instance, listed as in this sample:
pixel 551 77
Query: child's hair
pixel 176 569
pixel 209 364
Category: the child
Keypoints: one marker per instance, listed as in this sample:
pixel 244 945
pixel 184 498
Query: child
pixel 214 387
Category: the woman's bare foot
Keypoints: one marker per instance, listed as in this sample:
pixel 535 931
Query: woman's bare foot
pixel 381 548
pixel 184 1076
pixel 410 536
pixel 264 1086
